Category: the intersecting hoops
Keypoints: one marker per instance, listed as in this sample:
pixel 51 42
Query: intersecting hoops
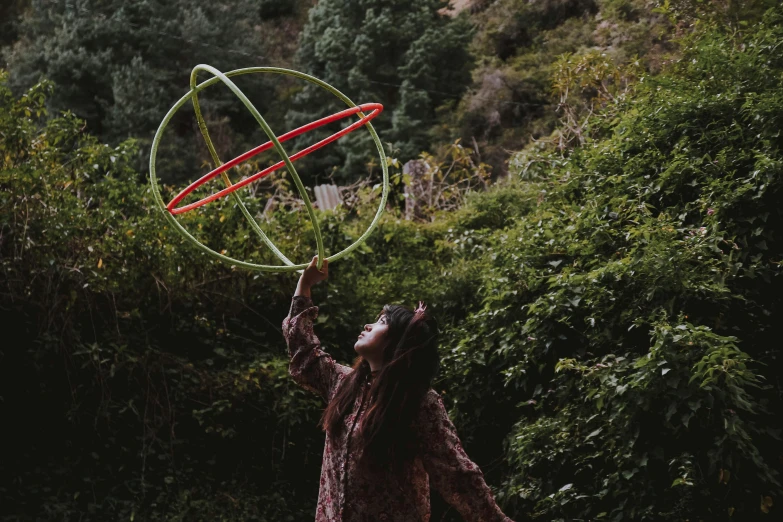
pixel 169 210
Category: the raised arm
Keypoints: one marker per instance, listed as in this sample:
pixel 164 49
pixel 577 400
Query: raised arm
pixel 458 479
pixel 309 365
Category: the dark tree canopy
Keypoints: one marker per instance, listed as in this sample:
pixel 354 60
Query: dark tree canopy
pixel 121 65
pixel 403 54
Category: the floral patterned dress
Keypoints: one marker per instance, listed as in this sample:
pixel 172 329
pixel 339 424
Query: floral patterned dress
pixel 346 495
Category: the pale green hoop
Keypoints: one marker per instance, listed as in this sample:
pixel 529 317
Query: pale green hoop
pixel 224 77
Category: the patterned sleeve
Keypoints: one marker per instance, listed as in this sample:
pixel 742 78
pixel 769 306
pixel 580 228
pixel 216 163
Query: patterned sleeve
pixel 451 472
pixel 311 367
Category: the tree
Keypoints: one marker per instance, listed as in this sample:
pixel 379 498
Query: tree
pixel 10 13
pixel 120 65
pixel 404 54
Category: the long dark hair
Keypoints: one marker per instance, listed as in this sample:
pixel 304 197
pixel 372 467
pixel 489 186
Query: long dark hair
pixel 410 363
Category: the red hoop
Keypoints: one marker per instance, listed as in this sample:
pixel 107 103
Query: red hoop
pixel 376 109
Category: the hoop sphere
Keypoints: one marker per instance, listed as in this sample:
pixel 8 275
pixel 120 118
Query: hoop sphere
pixel 217 76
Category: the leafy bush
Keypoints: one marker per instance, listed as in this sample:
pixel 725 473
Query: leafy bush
pixel 636 302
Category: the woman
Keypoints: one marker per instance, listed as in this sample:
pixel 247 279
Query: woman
pixel 387 432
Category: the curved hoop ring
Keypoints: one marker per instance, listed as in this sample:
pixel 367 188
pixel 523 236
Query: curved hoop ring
pixel 224 78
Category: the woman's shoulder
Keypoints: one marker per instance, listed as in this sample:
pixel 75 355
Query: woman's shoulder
pixel 431 396
pixel 432 419
pixel 431 405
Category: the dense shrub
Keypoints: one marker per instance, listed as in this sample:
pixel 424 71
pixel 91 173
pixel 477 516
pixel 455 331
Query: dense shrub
pixel 637 302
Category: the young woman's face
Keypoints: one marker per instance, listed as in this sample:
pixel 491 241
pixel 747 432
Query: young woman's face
pixel 370 342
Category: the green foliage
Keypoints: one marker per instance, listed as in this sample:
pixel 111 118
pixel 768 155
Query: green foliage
pixel 10 12
pixel 731 13
pixel 403 54
pixel 276 8
pixel 635 302
pixel 120 66
pixel 518 45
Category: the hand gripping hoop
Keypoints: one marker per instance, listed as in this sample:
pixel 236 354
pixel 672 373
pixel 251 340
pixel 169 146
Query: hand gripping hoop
pixel 170 210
